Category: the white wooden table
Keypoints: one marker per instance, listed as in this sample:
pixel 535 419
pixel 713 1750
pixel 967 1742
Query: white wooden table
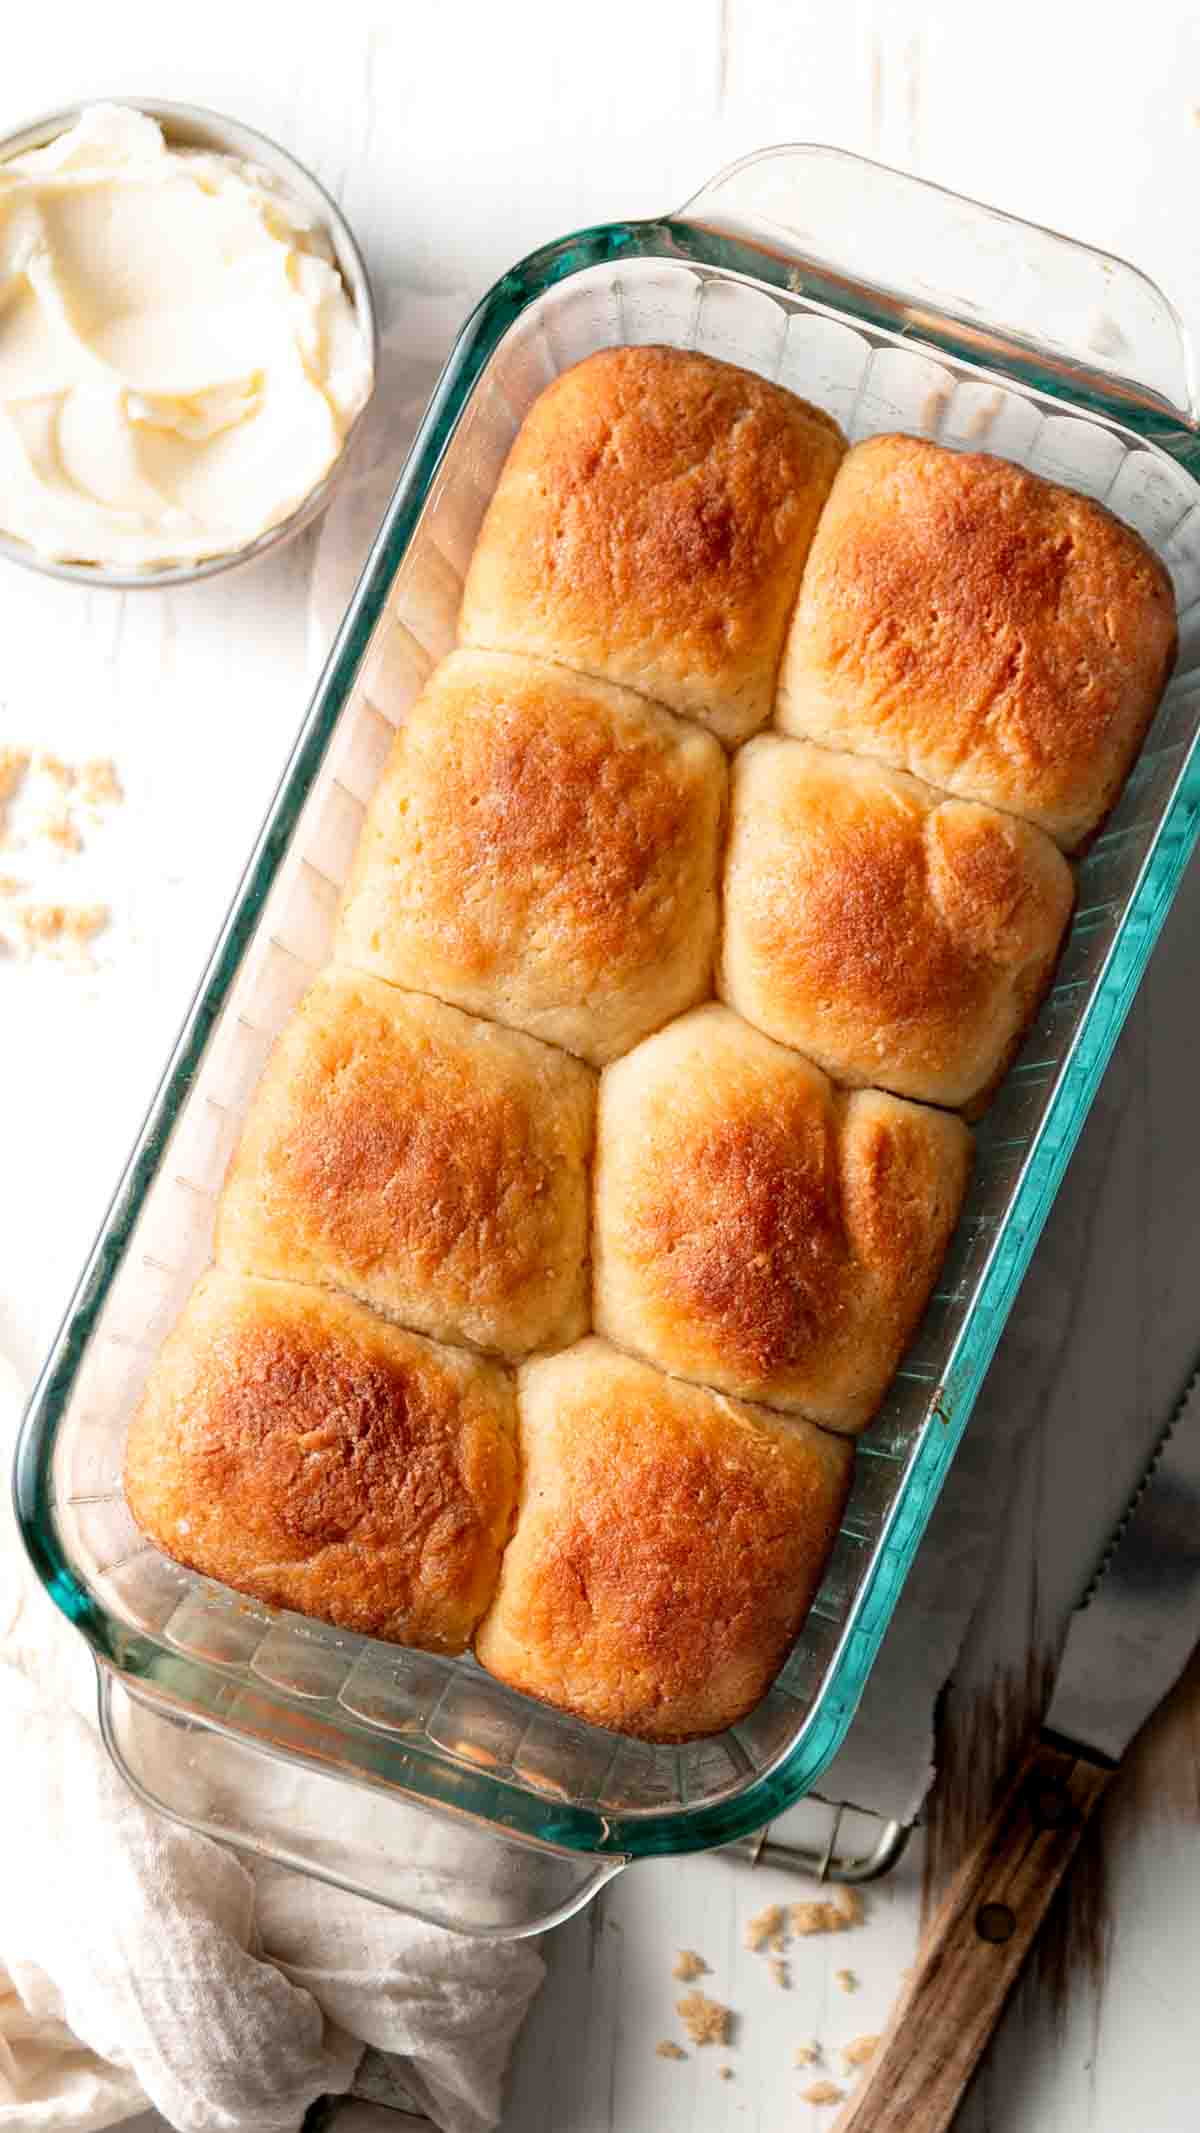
pixel 457 138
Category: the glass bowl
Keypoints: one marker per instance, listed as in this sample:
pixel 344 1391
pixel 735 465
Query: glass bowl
pixel 191 126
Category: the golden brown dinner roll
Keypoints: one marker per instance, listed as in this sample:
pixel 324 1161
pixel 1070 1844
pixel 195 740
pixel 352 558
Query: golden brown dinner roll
pixel 294 1446
pixel 650 526
pixel 760 1231
pixel 668 1545
pixel 897 937
pixel 431 1164
pixel 995 634
pixel 543 850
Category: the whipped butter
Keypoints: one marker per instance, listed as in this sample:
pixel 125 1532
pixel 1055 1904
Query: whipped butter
pixel 179 359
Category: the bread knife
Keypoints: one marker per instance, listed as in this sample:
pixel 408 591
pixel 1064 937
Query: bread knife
pixel 1128 1642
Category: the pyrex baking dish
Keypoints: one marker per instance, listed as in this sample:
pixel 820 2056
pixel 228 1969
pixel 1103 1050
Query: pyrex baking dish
pixel 419 1780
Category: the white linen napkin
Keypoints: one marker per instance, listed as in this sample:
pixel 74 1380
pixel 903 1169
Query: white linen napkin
pixel 140 1963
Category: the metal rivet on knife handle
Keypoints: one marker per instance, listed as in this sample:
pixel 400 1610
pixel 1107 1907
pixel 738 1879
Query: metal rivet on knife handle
pixel 995 1922
pixel 1049 1806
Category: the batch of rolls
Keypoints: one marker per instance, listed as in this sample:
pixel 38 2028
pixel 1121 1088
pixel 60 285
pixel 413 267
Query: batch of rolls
pixel 594 1190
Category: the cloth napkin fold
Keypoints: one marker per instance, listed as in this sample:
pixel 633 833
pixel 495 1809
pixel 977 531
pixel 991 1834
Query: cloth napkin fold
pixel 141 1963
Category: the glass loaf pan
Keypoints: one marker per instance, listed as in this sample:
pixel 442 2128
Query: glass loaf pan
pixel 418 1780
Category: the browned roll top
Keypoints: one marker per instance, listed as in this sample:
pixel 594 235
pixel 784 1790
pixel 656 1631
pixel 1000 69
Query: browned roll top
pixel 542 849
pixel 300 1449
pixel 896 936
pixel 430 1164
pixel 995 634
pixel 668 1546
pixel 760 1231
pixel 650 527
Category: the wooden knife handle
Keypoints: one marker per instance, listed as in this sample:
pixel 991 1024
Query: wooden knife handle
pixel 973 1948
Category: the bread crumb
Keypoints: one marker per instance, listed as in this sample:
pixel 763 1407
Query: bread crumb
pixel 98 783
pixel 94 785
pixel 705 2020
pixel 821 2092
pixel 859 2051
pixel 52 766
pixel 767 1929
pixel 826 1917
pixel 779 1970
pixel 809 2054
pixel 688 1965
pixel 725 2073
pixel 817 1918
pixel 14 762
pixel 59 830
pixel 666 2048
pixel 61 930
pixel 54 922
pixel 846 1979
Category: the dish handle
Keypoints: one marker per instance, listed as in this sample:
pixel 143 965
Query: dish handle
pixel 1005 287
pixel 449 1868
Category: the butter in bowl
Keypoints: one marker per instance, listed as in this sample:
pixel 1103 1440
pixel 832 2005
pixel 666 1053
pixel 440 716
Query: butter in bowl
pixel 187 341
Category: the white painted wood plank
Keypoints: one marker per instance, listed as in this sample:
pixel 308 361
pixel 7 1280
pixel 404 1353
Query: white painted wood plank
pixel 590 2040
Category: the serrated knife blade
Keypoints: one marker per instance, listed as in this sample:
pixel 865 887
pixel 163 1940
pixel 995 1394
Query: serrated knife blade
pixel 1139 1620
